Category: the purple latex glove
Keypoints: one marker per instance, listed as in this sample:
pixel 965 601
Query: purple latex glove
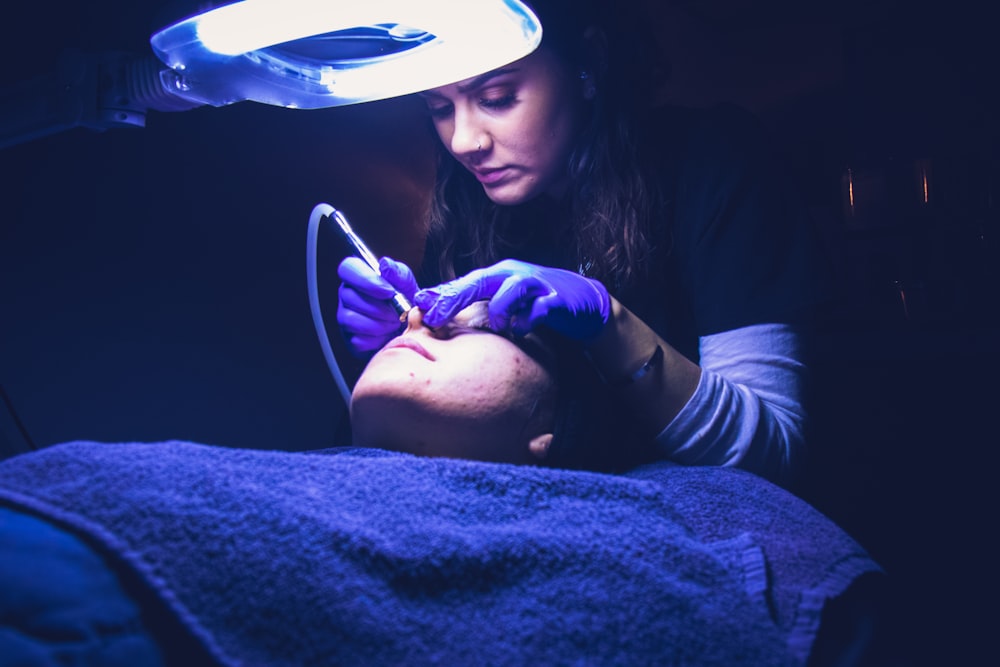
pixel 364 308
pixel 522 296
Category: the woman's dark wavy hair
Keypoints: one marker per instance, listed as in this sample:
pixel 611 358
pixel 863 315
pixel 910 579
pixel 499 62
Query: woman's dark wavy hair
pixel 611 200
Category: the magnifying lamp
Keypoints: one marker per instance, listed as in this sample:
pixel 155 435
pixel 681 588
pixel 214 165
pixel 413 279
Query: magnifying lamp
pixel 320 53
pixel 304 54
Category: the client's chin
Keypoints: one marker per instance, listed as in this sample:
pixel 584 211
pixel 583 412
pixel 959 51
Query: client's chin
pixel 395 423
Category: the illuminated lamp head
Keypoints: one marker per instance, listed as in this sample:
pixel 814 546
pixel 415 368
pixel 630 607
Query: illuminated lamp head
pixel 310 54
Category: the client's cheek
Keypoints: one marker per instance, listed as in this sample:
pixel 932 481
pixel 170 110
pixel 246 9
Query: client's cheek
pixel 512 385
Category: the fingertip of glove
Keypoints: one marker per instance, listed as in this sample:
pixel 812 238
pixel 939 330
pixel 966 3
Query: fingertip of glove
pixel 423 299
pixel 388 264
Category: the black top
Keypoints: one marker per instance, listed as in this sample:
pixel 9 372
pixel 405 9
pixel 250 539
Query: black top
pixel 737 246
pixel 733 244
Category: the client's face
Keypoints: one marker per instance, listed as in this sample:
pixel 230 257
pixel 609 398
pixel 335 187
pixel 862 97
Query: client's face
pixel 459 391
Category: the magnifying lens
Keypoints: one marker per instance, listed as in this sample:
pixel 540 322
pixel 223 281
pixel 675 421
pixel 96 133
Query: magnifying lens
pixel 309 54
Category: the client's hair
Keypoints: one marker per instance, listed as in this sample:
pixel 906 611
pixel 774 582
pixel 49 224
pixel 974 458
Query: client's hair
pixel 591 431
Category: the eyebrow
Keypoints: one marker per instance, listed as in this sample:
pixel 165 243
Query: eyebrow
pixel 480 80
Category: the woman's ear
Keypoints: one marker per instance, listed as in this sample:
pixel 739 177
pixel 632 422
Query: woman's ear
pixel 539 446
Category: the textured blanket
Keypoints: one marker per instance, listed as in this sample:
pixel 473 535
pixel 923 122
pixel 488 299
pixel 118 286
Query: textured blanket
pixel 366 557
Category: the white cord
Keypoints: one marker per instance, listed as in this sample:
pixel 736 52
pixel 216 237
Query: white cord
pixel 319 212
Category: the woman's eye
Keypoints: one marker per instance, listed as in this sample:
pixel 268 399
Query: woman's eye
pixel 479 322
pixel 453 329
pixel 499 102
pixel 457 327
pixel 439 111
pixel 473 318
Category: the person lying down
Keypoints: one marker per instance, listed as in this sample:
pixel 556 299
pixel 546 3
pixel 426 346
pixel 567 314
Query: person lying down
pixel 465 391
pixel 430 544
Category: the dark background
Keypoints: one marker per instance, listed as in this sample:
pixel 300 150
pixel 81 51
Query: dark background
pixel 152 281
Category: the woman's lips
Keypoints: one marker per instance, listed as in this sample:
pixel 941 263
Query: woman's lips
pixel 490 176
pixel 408 343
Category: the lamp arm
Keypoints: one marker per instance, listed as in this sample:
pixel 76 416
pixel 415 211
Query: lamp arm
pixel 95 91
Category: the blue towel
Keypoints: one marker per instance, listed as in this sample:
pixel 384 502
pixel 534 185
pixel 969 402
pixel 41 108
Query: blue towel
pixel 366 557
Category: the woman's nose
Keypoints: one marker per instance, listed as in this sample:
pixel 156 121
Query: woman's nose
pixel 414 320
pixel 467 137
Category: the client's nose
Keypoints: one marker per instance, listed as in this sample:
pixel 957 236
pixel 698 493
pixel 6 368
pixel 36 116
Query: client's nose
pixel 414 320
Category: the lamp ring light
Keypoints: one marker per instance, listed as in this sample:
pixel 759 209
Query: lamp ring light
pixel 311 54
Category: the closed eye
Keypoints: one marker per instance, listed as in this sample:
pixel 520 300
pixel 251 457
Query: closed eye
pixel 498 103
pixel 438 106
pixel 474 318
pixel 456 328
pixel 439 112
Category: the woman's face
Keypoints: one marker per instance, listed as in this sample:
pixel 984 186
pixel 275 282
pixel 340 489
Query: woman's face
pixel 459 391
pixel 513 127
